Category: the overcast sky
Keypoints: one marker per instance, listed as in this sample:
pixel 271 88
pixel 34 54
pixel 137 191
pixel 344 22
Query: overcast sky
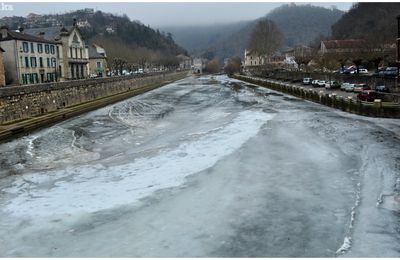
pixel 163 14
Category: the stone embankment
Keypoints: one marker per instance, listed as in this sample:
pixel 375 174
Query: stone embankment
pixel 372 109
pixel 25 108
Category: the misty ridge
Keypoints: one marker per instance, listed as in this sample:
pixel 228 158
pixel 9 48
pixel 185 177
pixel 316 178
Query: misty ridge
pixel 299 24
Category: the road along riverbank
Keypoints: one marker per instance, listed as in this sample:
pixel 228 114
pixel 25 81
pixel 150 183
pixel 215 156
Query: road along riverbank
pixel 23 109
pixel 346 104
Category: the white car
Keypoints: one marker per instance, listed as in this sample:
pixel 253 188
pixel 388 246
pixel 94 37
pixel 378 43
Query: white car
pixel 307 81
pixel 321 83
pixel 350 87
pixel 344 86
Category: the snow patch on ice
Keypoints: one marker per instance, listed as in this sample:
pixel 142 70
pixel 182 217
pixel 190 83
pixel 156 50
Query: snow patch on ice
pixel 345 246
pixel 85 189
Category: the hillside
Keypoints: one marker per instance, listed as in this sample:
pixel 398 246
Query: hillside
pixel 196 38
pixel 300 24
pixel 121 37
pixel 368 20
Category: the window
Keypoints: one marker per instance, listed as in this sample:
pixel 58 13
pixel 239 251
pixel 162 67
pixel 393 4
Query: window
pixel 48 62
pixel 70 52
pixel 25 46
pixel 53 62
pixel 29 78
pixel 76 53
pixel 24 79
pixel 32 49
pixel 41 62
pixel 46 48
pixel 35 78
pixel 80 52
pixel 58 52
pixel 27 62
pixel 33 62
pixel 52 49
pixel 40 47
pixel 50 77
pixel 98 64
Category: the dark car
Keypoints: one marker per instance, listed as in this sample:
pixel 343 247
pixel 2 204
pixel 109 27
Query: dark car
pixel 379 72
pixel 382 88
pixel 391 72
pixel 367 95
pixel 348 71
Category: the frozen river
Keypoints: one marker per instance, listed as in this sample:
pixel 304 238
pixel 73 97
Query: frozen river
pixel 206 166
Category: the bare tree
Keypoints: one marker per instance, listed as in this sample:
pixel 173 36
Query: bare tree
pixel 303 55
pixel 213 66
pixel 233 66
pixel 265 38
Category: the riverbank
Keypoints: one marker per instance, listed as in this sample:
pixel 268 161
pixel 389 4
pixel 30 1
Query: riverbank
pixel 16 128
pixel 350 105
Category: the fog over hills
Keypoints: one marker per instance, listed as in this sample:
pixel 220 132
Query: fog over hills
pixel 300 24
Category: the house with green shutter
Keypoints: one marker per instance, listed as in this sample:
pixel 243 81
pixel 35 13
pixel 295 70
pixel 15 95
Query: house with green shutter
pixel 30 59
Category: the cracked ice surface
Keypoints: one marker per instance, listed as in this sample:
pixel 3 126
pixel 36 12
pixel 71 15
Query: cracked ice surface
pixel 205 166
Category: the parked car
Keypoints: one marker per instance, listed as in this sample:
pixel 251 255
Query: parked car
pixel 321 83
pixel 344 85
pixel 382 88
pixel 367 95
pixel 350 87
pixel 380 71
pixel 331 85
pixel 360 88
pixel 347 71
pixel 315 83
pixel 391 72
pixel 363 71
pixel 307 81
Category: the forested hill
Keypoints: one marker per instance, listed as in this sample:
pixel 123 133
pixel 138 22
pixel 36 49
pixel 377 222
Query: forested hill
pixel 300 24
pixel 119 35
pixel 368 20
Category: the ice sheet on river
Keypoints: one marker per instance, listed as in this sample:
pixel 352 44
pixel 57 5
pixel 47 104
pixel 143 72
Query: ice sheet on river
pixel 93 188
pixel 206 166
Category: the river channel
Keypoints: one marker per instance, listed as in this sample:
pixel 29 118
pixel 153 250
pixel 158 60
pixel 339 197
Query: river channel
pixel 207 166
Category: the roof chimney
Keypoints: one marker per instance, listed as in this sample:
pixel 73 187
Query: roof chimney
pixel 41 34
pixel 4 32
pixel 21 30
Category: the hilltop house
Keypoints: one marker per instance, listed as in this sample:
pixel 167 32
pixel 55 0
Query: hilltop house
pixel 97 60
pixel 30 59
pixel 75 63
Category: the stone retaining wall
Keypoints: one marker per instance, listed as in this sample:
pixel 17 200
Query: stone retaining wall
pixel 22 102
pixel 372 109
